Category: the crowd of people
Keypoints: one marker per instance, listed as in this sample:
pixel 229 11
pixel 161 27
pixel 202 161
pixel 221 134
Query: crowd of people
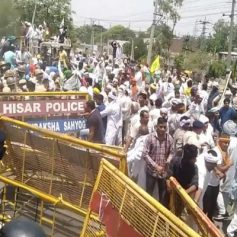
pixel 167 123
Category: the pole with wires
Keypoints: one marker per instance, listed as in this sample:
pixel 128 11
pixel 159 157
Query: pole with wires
pixel 153 27
pixel 231 35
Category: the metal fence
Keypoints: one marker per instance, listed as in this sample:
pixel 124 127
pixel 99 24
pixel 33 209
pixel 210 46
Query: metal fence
pixel 124 209
pixel 57 217
pixel 185 208
pixel 56 164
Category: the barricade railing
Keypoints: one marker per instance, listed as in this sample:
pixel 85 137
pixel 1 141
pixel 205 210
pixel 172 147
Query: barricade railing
pixel 56 216
pixel 54 163
pixel 124 209
pixel 185 208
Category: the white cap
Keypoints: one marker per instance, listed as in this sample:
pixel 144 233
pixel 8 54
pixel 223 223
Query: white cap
pixel 122 87
pixel 203 119
pixel 210 158
pixel 228 92
pixel 214 110
pixel 112 95
pixel 215 83
pixel 6 89
pixel 175 101
pixel 22 82
pixel 230 128
pixel 164 110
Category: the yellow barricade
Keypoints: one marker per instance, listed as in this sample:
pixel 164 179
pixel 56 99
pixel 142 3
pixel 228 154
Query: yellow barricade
pixel 185 208
pixel 54 163
pixel 57 217
pixel 126 210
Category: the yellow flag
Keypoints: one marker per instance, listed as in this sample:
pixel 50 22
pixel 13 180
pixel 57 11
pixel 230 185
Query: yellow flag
pixel 155 65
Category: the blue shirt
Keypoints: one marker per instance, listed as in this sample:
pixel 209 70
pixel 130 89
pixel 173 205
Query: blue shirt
pixel 227 114
pixel 10 57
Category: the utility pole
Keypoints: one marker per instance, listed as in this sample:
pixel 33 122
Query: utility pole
pixel 231 34
pixel 204 24
pixel 153 27
pixel 34 12
pixel 195 29
pixel 101 41
pixel 132 50
pixel 92 35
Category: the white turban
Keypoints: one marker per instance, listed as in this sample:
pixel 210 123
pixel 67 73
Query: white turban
pixel 184 122
pixel 230 128
pixel 112 96
pixel 164 111
pixel 210 158
pixel 203 119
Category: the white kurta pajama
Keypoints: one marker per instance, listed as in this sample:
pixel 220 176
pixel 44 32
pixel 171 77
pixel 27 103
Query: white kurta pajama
pixel 113 135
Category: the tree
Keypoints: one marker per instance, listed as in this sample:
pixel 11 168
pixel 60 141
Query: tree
pixel 168 10
pixel 118 33
pixel 179 62
pixel 218 41
pixel 84 33
pixel 217 69
pixel 163 37
pixel 50 11
pixel 8 24
pixel 140 49
pixel 197 61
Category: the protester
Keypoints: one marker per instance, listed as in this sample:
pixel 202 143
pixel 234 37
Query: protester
pixel 183 168
pixel 94 123
pixel 158 152
pixel 206 163
pixel 227 112
pixel 113 111
pixel 157 118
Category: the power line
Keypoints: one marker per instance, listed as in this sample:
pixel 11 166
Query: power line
pixel 204 7
pixel 149 20
pixel 204 24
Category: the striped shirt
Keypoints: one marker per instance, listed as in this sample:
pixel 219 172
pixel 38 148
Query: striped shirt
pixel 157 152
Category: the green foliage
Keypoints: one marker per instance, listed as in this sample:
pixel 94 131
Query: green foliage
pixel 84 33
pixel 140 49
pixel 118 33
pixel 218 41
pixel 164 33
pixel 196 61
pixel 9 25
pixel 163 38
pixel 179 62
pixel 50 11
pixel 217 69
pixel 168 9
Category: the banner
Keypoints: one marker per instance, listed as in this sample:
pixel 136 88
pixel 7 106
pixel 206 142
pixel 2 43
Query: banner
pixel 41 107
pixel 63 125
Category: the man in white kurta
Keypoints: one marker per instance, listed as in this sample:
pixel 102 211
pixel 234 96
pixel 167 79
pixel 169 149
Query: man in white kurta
pixel 113 111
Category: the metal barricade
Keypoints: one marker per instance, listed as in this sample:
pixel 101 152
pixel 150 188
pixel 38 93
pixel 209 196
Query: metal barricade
pixel 124 209
pixel 185 208
pixel 54 163
pixel 57 217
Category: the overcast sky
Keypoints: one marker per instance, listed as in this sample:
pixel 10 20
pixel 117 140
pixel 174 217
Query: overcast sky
pixel 138 13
